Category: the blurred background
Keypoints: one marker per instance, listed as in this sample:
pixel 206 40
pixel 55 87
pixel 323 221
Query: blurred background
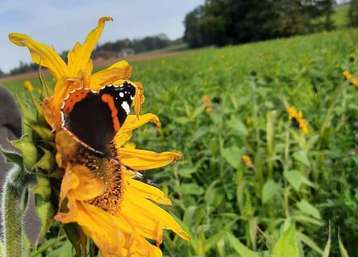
pixel 260 96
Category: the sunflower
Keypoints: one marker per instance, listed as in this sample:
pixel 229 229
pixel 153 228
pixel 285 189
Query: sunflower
pixel 101 194
pixel 349 77
pixel 297 118
pixel 246 159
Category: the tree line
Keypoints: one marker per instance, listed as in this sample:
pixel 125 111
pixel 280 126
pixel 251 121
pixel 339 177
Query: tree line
pixel 141 45
pixel 222 22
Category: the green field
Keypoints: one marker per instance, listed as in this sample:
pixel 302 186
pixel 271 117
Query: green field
pixel 340 16
pixel 299 185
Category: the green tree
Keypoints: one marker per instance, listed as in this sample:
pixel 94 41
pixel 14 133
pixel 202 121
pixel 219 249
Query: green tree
pixel 194 34
pixel 220 22
pixel 353 13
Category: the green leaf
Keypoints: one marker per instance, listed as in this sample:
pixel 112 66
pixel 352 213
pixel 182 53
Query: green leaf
pixel 270 189
pixel 342 249
pixel 232 155
pixel 287 245
pixel 309 209
pixel 66 250
pixel 301 156
pixel 238 126
pixel 77 238
pixel 12 156
pixel 327 248
pixel 309 242
pixel 296 179
pixel 191 189
pixel 186 172
pixel 212 241
pixel 189 216
pixel 44 212
pixel 304 219
pixel 240 248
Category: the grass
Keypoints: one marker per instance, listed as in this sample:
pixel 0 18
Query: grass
pixel 340 16
pixel 299 185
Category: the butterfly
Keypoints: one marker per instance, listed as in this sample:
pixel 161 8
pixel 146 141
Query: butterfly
pixel 93 117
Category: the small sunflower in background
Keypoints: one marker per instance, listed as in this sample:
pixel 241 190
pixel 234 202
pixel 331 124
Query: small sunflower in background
pixel 90 127
pixel 297 119
pixel 207 103
pixel 246 159
pixel 351 78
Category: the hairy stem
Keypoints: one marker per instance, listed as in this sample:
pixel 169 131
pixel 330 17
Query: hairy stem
pixel 12 212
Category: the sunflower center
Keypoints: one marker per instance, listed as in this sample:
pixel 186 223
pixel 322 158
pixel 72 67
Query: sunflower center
pixel 109 171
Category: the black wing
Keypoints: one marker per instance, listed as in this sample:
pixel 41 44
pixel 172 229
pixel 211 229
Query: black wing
pixel 90 118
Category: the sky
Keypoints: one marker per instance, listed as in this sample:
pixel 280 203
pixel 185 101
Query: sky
pixel 60 23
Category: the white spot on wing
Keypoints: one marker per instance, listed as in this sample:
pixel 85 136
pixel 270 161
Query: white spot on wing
pixel 126 107
pixel 121 94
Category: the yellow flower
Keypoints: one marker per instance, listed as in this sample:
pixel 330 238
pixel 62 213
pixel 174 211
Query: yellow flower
pixel 207 103
pixel 348 76
pixel 28 86
pixel 247 161
pixel 297 118
pixel 102 194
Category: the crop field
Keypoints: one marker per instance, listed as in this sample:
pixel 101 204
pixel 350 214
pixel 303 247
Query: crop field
pixel 252 181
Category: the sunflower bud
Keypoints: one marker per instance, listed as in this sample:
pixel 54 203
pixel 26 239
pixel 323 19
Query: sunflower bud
pixel 46 161
pixel 27 149
pixel 43 132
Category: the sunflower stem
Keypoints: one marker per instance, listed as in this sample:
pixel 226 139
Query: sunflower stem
pixel 12 212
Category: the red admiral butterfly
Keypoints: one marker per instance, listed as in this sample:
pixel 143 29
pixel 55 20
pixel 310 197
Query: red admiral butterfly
pixel 93 118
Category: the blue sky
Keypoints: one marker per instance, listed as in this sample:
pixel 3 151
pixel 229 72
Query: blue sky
pixel 60 23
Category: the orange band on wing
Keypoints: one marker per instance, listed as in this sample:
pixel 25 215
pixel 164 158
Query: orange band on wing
pixel 108 99
pixel 74 98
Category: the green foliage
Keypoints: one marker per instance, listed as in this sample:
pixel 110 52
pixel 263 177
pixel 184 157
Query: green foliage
pixel 353 13
pixel 222 22
pixel 300 186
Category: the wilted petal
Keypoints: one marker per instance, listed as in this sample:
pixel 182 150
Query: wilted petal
pixel 79 57
pixel 119 71
pixel 41 54
pixel 145 160
pixel 132 122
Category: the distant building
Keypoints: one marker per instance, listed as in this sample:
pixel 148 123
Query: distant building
pixel 104 54
pixel 125 52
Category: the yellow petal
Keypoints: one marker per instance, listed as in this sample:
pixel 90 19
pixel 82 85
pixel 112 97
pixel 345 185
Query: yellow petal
pixel 114 236
pixel 138 98
pixel 69 182
pixel 149 216
pixel 132 122
pixel 90 186
pixel 79 183
pixel 41 54
pixel 62 89
pixel 97 224
pixel 144 160
pixel 146 191
pixel 119 71
pixel 79 56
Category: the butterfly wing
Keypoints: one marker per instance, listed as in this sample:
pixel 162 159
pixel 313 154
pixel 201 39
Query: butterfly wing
pixel 93 118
